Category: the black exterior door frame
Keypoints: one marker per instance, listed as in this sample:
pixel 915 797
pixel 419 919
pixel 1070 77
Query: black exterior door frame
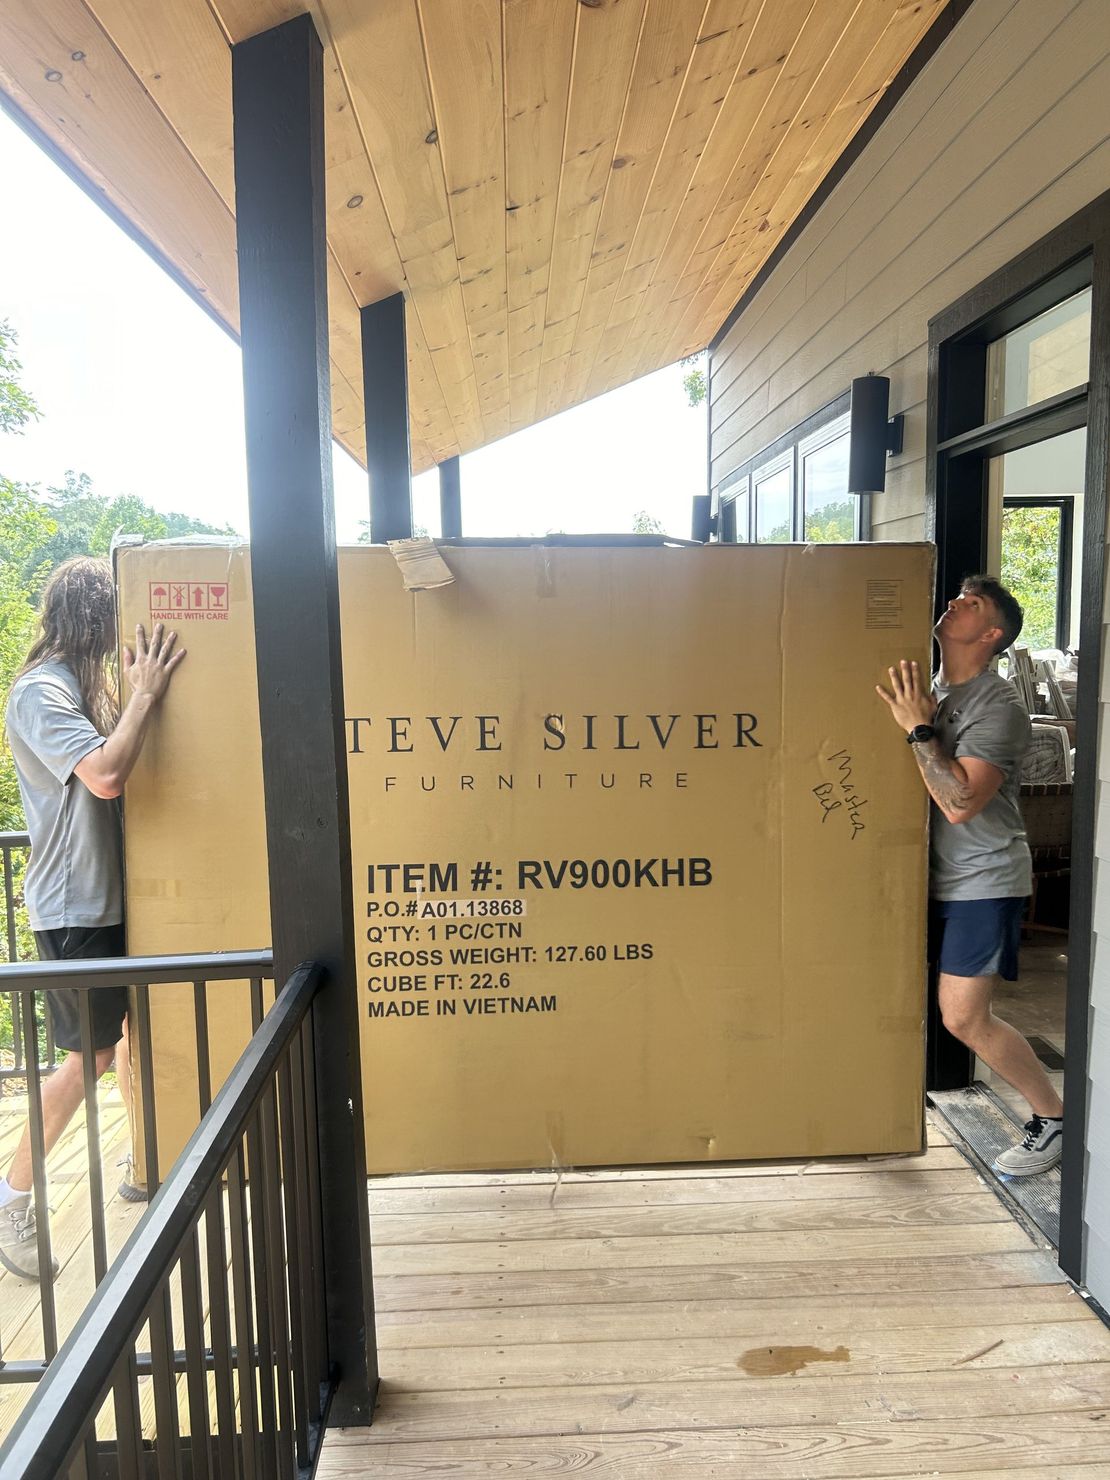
pixel 959 445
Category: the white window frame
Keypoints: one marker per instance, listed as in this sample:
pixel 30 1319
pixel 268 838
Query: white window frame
pixel 813 443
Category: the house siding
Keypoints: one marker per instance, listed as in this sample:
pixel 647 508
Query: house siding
pixel 1001 137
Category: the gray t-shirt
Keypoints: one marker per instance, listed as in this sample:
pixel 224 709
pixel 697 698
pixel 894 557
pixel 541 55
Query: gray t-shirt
pixel 988 857
pixel 75 876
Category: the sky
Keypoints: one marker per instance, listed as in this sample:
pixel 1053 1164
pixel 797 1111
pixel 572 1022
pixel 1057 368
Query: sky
pixel 142 391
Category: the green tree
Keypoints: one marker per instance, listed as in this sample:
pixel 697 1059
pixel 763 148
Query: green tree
pixel 694 381
pixel 419 532
pixel 832 523
pixel 645 523
pixel 1031 568
pixel 25 527
pixel 86 521
pixel 39 531
pixel 17 407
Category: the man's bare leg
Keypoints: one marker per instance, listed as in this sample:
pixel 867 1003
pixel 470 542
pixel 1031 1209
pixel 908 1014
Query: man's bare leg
pixel 62 1093
pixel 123 1071
pixel 965 1006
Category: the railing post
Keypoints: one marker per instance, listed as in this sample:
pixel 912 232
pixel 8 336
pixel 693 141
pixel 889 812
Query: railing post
pixel 277 92
pixel 450 499
pixel 385 389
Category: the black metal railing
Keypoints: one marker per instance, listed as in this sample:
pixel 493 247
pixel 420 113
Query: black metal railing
pixel 31 982
pixel 225 1273
pixel 15 848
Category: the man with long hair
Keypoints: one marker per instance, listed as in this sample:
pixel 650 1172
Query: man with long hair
pixel 73 751
pixel 969 733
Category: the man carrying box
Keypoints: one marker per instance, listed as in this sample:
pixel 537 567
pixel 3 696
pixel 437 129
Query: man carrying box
pixel 72 758
pixel 969 735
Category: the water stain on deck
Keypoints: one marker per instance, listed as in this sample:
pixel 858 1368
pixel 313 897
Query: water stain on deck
pixel 782 1361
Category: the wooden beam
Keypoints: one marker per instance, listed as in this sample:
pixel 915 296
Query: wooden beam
pixel 386 399
pixel 450 499
pixel 277 86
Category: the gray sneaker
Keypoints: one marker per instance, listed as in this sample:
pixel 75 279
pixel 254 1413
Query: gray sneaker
pixel 1039 1151
pixel 19 1248
pixel 131 1188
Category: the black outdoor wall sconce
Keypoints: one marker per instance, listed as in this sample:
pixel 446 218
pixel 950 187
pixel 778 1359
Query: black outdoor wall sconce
pixel 703 521
pixel 873 434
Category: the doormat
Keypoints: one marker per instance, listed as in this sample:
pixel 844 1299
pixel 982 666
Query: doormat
pixel 988 1127
pixel 1049 1055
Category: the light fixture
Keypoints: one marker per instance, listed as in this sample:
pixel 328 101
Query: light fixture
pixel 703 520
pixel 873 434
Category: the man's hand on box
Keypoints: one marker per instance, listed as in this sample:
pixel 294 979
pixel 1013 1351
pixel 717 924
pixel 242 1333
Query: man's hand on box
pixel 909 700
pixel 150 667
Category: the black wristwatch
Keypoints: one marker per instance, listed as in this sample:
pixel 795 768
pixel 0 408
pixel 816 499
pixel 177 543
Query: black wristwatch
pixel 919 734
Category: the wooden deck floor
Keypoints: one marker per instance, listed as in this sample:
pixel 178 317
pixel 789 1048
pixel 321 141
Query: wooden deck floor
pixel 859 1318
pixel 21 1335
pixel 864 1318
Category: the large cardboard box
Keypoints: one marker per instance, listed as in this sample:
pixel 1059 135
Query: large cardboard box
pixel 639 857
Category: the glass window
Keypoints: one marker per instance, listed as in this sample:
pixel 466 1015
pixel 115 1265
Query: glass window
pixel 1037 493
pixel 830 511
pixel 1048 355
pixel 773 500
pixel 736 516
pixel 1031 562
pixel 799 492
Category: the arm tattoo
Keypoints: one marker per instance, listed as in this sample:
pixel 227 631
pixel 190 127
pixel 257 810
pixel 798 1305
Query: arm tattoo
pixel 944 778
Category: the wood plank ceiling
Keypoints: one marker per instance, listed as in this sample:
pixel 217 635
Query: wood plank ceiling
pixel 571 193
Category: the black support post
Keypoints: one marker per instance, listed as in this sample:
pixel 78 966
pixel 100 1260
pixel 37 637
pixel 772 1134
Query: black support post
pixel 385 387
pixel 277 90
pixel 450 499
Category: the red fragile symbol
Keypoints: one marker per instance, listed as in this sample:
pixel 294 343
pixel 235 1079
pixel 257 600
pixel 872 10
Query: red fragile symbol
pixel 217 594
pixel 199 597
pixel 159 594
pixel 178 595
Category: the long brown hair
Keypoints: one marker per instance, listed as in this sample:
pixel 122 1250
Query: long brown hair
pixel 78 613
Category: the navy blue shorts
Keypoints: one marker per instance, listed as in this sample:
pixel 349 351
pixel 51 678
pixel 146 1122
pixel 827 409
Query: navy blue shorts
pixel 976 937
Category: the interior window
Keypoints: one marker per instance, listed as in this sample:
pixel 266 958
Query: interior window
pixel 1043 358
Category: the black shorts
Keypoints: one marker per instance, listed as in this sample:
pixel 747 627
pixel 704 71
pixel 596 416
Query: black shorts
pixel 109 1004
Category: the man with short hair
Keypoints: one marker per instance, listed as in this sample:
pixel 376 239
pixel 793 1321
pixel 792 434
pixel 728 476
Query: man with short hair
pixel 72 756
pixel 969 735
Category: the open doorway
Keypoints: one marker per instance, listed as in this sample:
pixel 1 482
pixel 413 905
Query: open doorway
pixel 1035 523
pixel 1012 495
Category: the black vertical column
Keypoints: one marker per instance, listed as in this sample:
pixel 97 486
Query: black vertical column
pixel 450 499
pixel 385 389
pixel 277 88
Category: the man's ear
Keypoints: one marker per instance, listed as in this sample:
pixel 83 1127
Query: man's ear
pixel 991 636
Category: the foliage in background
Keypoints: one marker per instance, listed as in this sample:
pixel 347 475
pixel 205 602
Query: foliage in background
pixel 830 524
pixel 25 527
pixel 17 407
pixel 419 532
pixel 38 530
pixel 1030 568
pixel 645 523
pixel 86 521
pixel 694 382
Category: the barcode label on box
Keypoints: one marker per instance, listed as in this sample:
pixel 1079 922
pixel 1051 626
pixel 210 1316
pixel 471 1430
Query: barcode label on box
pixel 884 603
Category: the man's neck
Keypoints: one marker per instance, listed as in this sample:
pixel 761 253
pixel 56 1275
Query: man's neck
pixel 959 665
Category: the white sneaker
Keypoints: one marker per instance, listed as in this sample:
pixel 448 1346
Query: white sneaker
pixel 1039 1151
pixel 19 1248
